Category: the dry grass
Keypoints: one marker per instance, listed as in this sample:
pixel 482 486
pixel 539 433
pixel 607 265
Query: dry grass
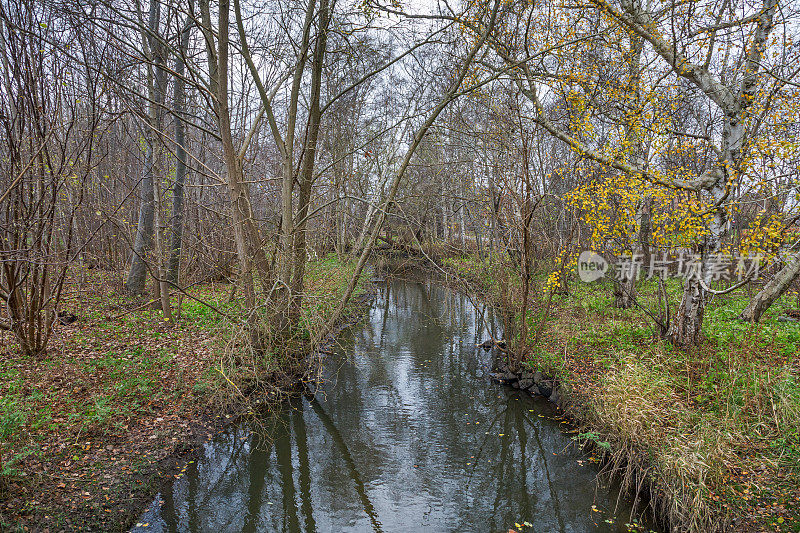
pixel 713 434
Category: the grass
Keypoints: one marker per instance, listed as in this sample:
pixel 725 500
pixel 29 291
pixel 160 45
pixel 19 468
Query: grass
pixel 718 426
pixel 326 282
pixel 117 388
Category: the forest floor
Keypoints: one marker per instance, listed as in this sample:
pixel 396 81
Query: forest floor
pixel 90 431
pixel 716 428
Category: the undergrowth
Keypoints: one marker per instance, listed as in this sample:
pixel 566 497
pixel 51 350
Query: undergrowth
pixel 715 429
pixel 121 387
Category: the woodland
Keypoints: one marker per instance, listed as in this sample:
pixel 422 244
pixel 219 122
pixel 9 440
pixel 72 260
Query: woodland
pixel 195 195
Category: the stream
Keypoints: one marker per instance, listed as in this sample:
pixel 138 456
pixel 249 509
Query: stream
pixel 406 434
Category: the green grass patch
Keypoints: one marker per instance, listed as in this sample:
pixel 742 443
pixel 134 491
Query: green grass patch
pixel 720 423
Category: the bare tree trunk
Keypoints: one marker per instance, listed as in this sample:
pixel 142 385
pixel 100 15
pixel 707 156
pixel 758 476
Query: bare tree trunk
pixel 772 291
pixel 143 242
pixel 463 227
pixel 625 292
pixel 246 233
pixel 645 230
pixel 371 210
pixel 161 286
pixel 306 177
pixel 280 295
pixel 181 167
pixel 527 215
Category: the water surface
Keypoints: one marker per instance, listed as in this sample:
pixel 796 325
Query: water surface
pixel 407 434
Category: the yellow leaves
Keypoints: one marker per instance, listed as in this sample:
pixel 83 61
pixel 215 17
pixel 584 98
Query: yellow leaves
pixel 765 236
pixel 553 281
pixel 608 207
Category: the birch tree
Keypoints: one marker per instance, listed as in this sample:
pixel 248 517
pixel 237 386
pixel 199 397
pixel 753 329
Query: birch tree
pixel 718 57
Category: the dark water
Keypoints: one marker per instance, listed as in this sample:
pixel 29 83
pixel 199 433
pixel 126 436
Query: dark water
pixel 407 435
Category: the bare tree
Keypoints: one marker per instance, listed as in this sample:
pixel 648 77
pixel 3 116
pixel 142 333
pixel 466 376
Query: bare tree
pixel 44 165
pixel 181 158
pixel 156 88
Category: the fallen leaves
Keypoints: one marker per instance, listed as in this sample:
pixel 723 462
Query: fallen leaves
pixel 111 399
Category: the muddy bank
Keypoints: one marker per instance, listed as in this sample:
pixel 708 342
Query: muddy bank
pixel 119 406
pixel 407 433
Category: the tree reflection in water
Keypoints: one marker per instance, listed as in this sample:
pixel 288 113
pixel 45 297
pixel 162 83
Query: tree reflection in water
pixel 406 435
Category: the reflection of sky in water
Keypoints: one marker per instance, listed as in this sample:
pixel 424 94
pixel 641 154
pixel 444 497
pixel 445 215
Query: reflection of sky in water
pixel 406 437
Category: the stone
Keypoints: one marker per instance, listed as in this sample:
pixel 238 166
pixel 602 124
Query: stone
pixel 545 389
pixel 554 397
pixel 525 383
pixel 537 377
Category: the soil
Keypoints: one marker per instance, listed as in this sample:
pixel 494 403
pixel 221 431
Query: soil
pixel 111 412
pixel 78 473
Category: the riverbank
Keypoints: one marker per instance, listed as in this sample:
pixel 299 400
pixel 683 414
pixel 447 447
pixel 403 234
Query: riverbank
pixel 122 399
pixel 711 435
pixel 405 434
